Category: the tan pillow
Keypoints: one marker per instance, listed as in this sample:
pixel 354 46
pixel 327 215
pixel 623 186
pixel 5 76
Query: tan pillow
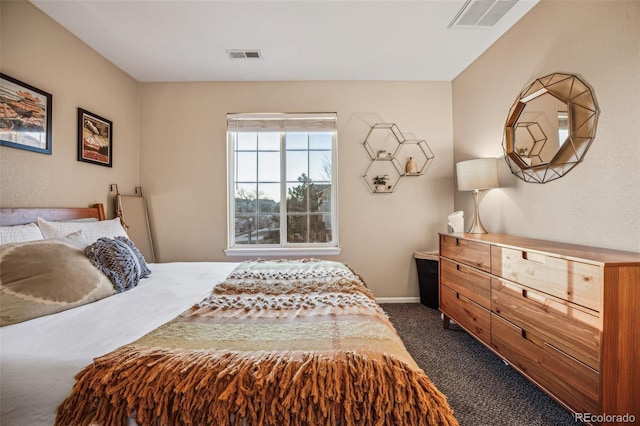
pixel 44 277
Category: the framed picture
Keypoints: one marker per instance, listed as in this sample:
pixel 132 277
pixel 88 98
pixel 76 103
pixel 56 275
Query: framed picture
pixel 25 116
pixel 94 138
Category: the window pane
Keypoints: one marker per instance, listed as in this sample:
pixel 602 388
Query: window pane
pixel 269 166
pixel 268 229
pixel 323 197
pixel 245 227
pixel 318 140
pixel 318 232
pixel 324 207
pixel 297 165
pixel 245 198
pixel 297 197
pixel 297 229
pixel 246 167
pixel 269 197
pixel 269 141
pixel 296 140
pixel 247 141
pixel 314 196
pixel 320 166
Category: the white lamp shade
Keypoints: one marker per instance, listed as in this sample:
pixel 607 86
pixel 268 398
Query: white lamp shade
pixel 481 173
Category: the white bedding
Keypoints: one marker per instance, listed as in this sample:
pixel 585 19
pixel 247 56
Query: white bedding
pixel 39 358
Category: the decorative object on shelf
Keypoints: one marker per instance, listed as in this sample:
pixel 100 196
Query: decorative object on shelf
pixel 412 167
pixel 553 122
pixel 477 175
pixel 95 144
pixel 383 144
pixel 380 183
pixel 422 155
pixel 26 115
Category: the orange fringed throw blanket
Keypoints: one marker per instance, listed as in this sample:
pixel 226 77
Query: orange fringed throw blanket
pixel 277 343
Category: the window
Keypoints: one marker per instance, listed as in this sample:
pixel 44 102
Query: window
pixel 282 184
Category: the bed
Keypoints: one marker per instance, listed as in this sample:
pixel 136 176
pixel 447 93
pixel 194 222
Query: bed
pixel 261 342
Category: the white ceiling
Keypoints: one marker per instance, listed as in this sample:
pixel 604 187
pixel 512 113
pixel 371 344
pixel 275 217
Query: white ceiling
pixel 185 40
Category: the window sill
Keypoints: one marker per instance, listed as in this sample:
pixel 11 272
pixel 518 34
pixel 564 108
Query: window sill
pixel 306 251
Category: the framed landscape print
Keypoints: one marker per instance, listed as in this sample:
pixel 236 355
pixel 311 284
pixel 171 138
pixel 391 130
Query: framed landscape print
pixel 25 116
pixel 94 138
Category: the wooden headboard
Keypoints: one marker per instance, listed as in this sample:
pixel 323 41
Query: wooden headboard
pixel 22 215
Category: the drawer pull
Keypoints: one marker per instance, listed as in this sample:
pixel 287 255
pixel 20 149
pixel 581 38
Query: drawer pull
pixel 524 293
pixel 532 338
pixel 533 257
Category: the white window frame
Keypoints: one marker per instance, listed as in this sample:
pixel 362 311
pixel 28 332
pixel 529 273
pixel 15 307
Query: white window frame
pixel 282 122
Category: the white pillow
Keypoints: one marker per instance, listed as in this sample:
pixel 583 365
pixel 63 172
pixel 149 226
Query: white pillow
pixel 20 233
pixel 91 231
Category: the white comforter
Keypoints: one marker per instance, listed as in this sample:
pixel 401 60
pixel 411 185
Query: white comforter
pixel 39 358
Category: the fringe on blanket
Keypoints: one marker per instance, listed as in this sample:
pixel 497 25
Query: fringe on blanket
pixel 205 387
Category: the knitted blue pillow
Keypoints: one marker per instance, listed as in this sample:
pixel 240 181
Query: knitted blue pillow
pixel 120 260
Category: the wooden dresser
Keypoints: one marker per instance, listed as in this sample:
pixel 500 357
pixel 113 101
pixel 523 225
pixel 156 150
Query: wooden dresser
pixel 565 316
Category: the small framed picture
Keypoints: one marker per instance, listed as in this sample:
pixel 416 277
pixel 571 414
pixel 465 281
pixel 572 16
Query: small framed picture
pixel 95 138
pixel 25 116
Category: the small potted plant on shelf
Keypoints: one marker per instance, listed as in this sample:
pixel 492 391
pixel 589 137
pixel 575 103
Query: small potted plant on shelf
pixel 380 183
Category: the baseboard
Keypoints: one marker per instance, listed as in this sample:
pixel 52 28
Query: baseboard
pixel 398 299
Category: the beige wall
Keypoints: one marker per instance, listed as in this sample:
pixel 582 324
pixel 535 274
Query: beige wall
pixel 598 202
pixel 183 168
pixel 36 50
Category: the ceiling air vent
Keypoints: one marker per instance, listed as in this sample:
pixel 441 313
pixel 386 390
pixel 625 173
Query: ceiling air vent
pixel 481 13
pixel 244 54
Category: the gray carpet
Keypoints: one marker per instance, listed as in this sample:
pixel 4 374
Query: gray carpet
pixel 481 389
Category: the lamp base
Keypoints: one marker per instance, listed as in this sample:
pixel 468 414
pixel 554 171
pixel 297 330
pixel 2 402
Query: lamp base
pixel 476 226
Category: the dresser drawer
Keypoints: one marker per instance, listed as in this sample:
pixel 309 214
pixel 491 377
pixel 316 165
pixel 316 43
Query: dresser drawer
pixel 466 281
pixel 465 312
pixel 572 330
pixel 569 380
pixel 468 252
pixel 577 282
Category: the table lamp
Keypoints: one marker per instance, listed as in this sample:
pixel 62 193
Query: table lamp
pixel 477 175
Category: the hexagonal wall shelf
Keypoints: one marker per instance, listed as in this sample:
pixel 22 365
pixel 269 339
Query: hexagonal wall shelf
pixel 383 144
pixel 383 141
pixel 389 170
pixel 420 152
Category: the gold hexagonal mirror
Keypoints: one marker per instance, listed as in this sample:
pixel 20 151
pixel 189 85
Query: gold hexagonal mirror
pixel 550 128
